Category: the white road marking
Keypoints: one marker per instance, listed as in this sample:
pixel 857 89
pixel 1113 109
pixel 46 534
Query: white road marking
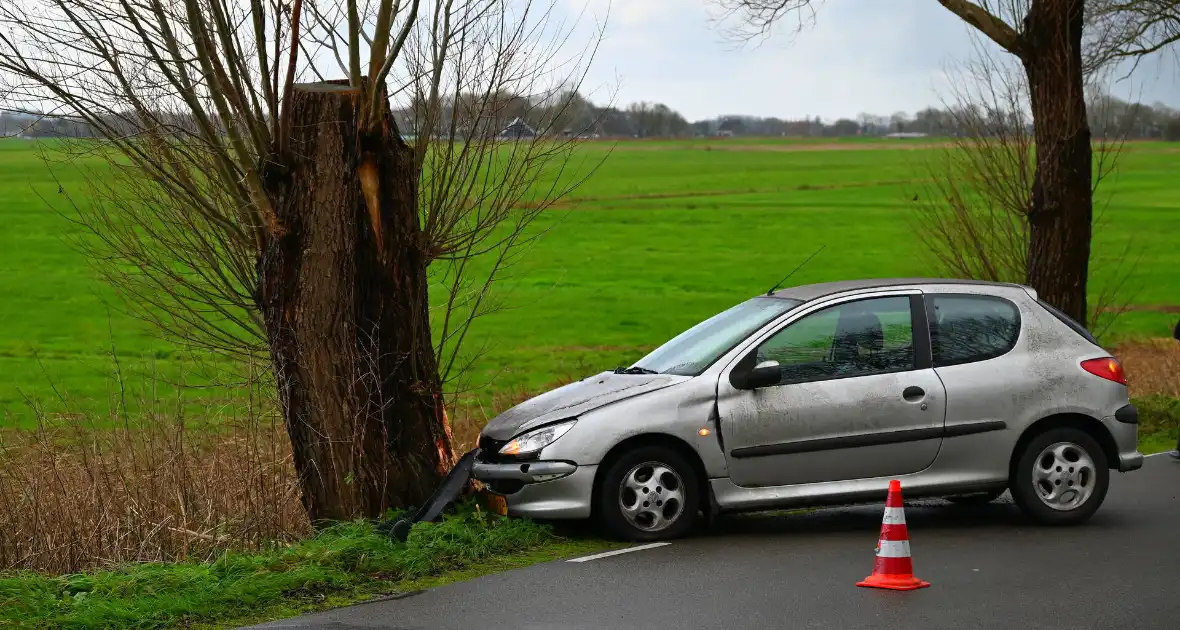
pixel 607 554
pixel 1154 454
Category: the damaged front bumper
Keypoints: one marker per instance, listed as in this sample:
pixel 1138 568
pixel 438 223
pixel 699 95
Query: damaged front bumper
pixel 543 490
pixel 527 472
pixel 540 489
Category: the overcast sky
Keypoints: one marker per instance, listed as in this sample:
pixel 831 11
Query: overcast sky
pixel 876 56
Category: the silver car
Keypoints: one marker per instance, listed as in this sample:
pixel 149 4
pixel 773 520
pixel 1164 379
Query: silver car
pixel 821 394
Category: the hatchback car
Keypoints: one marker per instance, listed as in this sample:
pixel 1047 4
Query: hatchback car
pixel 819 395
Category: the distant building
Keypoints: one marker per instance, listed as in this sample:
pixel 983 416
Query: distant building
pixel 585 134
pixel 518 129
pixel 906 134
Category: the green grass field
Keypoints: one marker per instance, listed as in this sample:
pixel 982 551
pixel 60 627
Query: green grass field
pixel 664 234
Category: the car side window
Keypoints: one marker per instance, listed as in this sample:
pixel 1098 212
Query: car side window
pixel 970 328
pixel 873 336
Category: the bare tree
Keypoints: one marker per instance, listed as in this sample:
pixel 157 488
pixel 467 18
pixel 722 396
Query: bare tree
pixel 655 120
pixel 973 211
pixel 1057 42
pixel 247 204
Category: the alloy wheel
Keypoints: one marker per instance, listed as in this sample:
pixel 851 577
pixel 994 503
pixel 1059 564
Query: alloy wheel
pixel 1064 476
pixel 651 496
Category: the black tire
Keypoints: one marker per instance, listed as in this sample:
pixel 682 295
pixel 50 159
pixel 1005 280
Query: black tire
pixel 1025 492
pixel 979 498
pixel 611 494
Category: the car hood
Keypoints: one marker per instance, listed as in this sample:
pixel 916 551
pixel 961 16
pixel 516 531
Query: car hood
pixel 574 399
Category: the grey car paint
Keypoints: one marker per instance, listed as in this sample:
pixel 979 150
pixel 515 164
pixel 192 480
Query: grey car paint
pixel 572 400
pixel 974 415
pixel 796 416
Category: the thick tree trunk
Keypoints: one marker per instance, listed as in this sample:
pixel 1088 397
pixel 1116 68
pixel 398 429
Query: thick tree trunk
pixel 344 295
pixel 1061 209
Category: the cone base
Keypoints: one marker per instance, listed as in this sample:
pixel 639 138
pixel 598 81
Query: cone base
pixel 894 582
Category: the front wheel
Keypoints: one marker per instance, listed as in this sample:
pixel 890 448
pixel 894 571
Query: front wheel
pixel 1061 477
pixel 650 493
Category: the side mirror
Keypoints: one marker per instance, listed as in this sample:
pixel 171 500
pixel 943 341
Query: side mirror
pixel 765 374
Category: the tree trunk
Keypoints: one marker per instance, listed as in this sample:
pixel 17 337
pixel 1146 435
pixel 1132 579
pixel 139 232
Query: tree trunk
pixel 1061 208
pixel 343 292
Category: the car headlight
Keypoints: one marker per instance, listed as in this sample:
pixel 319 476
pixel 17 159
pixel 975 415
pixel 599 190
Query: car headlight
pixel 536 440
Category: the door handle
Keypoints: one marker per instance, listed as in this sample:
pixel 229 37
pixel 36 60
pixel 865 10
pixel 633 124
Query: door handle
pixel 913 393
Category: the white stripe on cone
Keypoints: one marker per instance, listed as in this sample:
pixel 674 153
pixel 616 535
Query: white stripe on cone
pixel 893 549
pixel 894 516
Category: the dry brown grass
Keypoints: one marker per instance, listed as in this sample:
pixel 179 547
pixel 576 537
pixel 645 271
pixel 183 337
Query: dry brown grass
pixel 80 491
pixel 163 483
pixel 1153 366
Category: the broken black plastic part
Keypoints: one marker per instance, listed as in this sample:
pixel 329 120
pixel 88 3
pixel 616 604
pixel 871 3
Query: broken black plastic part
pixel 634 370
pixel 401 530
pixel 443 496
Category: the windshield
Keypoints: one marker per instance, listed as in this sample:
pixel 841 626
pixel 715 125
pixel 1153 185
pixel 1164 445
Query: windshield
pixel 695 349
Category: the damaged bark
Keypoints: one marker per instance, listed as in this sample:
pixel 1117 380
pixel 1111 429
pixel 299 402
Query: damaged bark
pixel 343 293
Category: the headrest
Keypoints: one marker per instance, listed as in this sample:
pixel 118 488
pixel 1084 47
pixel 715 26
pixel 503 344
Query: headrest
pixel 863 327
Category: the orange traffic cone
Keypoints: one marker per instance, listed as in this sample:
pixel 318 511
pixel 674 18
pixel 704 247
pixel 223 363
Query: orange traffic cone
pixel 893 568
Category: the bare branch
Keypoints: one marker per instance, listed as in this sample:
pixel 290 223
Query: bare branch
pixel 354 44
pixel 192 102
pixel 1121 29
pixel 292 63
pixel 746 20
pixel 974 210
pixel 974 213
pixel 1115 29
pixel 993 27
pixel 380 70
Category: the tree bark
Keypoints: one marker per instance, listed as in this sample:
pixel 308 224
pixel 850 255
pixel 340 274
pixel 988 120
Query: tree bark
pixel 1061 208
pixel 343 292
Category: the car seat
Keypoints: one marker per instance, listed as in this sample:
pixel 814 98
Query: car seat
pixel 856 331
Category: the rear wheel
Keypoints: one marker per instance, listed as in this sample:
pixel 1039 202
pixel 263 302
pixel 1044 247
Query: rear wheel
pixel 1061 477
pixel 650 493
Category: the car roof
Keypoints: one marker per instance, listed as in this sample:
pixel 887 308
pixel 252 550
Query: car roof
pixel 808 292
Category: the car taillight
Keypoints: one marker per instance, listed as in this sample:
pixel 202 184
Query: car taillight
pixel 1108 368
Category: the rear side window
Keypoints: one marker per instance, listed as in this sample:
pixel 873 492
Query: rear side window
pixel 969 328
pixel 1069 321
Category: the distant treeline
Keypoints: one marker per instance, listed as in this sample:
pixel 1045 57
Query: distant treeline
pixel 568 113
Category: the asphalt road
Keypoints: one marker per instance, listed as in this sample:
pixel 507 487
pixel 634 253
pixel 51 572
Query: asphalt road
pixel 989 569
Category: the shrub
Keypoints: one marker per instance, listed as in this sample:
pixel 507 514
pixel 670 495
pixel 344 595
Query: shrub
pixel 1158 415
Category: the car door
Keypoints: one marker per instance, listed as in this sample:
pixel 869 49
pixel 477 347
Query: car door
pixel 856 396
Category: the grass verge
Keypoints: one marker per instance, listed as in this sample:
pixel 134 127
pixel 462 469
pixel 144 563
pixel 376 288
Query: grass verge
pixel 1159 423
pixel 345 564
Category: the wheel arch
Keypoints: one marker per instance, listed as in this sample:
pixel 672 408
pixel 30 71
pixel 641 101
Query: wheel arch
pixel 1092 426
pixel 678 445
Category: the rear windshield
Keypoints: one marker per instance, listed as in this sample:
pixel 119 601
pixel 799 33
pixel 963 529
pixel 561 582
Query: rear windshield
pixel 1069 321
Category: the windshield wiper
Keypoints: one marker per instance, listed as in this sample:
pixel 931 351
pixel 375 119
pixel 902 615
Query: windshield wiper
pixel 634 370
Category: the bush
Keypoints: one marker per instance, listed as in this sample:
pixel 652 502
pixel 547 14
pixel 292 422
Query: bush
pixel 344 560
pixel 1158 415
